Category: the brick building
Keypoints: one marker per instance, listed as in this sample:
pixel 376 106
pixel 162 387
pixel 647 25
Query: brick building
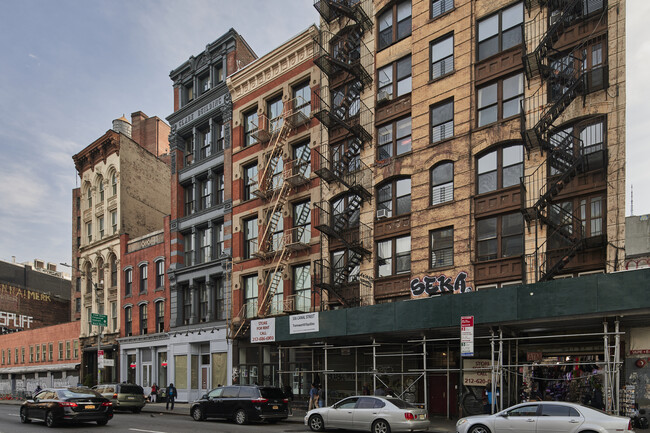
pixel 47 356
pixel 124 189
pixel 275 189
pixel 145 303
pixel 201 189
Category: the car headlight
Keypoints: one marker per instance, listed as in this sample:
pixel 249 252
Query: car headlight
pixel 461 422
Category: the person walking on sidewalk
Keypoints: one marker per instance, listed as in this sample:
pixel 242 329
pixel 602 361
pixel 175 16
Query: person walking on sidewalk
pixel 154 392
pixel 313 397
pixel 171 396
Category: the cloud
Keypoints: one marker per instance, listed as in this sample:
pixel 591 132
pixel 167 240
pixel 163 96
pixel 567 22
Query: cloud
pixel 33 56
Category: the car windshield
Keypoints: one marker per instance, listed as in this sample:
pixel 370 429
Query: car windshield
pixel 77 393
pixel 131 389
pixel 272 393
pixel 401 404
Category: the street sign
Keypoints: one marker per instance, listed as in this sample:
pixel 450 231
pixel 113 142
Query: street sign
pixel 98 319
pixel 467 336
pixel 100 358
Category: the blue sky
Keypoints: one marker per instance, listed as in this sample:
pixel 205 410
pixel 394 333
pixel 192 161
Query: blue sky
pixel 69 67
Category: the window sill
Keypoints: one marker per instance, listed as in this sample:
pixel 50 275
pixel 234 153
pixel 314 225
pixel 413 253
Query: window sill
pixel 499 122
pixel 385 162
pixel 432 19
pixel 442 77
pixel 159 289
pixel 446 140
pixel 435 206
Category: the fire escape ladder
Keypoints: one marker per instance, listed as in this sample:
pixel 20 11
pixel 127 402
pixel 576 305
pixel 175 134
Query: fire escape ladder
pixel 353 9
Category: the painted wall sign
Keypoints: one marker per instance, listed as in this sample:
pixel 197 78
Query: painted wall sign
pixel 439 285
pixel 15 320
pixel 263 330
pixel 6 289
pixel 301 323
pixel 467 336
pixel 207 108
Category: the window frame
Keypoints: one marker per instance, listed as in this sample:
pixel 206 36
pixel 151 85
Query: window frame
pixel 394 25
pixel 432 65
pixel 143 319
pixel 250 179
pixel 443 9
pixel 205 244
pixel 500 102
pixel 128 321
pixel 394 198
pixel 160 273
pixel 251 243
pixel 500 31
pixel 500 168
pixel 498 237
pixel 128 282
pixel 250 124
pixel 189 246
pixel 441 106
pixel 394 257
pixel 160 316
pixel 392 87
pixel 143 271
pixel 218 239
pixel 439 166
pixel 444 249
pixel 395 139
pixel 297 91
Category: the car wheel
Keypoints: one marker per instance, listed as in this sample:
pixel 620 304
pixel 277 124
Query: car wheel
pixel 23 416
pixel 316 423
pixel 479 429
pixel 102 422
pixel 241 417
pixel 380 426
pixel 49 419
pixel 197 414
pixel 136 410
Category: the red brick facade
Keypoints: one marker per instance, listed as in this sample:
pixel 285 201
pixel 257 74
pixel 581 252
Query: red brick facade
pixel 61 343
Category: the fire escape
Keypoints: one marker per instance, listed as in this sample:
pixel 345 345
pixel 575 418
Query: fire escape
pixel 347 63
pixel 275 182
pixel 564 78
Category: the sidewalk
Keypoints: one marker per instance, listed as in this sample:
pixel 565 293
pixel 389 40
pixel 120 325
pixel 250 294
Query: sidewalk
pixel 438 424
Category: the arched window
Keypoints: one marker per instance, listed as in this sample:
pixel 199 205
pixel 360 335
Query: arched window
pixel 100 271
pixel 500 168
pixel 100 188
pixel 394 198
pixel 114 182
pixel 89 278
pixel 442 183
pixel 128 321
pixel 113 264
pixel 89 196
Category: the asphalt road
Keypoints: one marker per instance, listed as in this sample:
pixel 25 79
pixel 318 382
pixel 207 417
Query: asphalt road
pixel 142 423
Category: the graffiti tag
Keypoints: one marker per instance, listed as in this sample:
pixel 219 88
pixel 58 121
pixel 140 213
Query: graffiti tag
pixel 438 285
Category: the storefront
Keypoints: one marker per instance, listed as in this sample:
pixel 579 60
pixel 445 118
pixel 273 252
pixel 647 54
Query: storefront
pixel 144 360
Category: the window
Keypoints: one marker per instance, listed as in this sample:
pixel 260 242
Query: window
pixel 77 305
pixel 77 285
pixel 345 267
pixel 442 121
pixel 302 287
pixel 114 315
pixel 346 100
pixel 114 221
pixel 395 197
pixel 274 112
pixel 219 75
pixel 389 88
pixel 583 138
pixel 500 31
pixel 442 57
pixel 114 182
pixel 101 227
pixel 302 221
pixel 277 300
pixel 188 93
pixel 67 350
pixel 345 156
pixel 31 353
pixel 89 232
pixel 50 352
pixel 277 233
pixel 500 100
pixel 558 410
pixel 128 322
pixel 394 139
pixel 439 7
pixel 160 316
pixel 302 98
pixel 442 183
pixel 345 212
pixel 206 193
pixel 143 319
pixel 205 245
pixel 75 349
pixel 302 159
pixel 500 237
pixel 128 280
pixel 250 127
pixel 277 177
pixel 89 280
pixel 250 295
pixel 592 56
pixel 250 180
pixel 189 150
pixel 44 352
pixel 113 265
pixel 500 168
pixel 442 248
pixel 220 188
pixel 218 239
pixel 218 129
pixel 205 139
pixel 394 24
pixel 160 274
pixel 250 237
pixel 100 186
pixel 204 83
pixel 394 256
pixel 22 353
pixel 143 278
pixel 38 353
pixel 588 210
pixel 89 196
pixel 219 300
pixel 189 199
pixel 187 305
pixel 188 240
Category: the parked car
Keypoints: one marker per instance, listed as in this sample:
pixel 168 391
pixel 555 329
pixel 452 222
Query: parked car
pixel 124 396
pixel 369 413
pixel 69 404
pixel 242 403
pixel 545 417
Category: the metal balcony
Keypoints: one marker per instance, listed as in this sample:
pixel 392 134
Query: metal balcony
pixel 344 111
pixel 344 52
pixel 357 10
pixel 345 226
pixel 352 173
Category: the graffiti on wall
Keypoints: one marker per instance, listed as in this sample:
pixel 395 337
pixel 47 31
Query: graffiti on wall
pixel 440 285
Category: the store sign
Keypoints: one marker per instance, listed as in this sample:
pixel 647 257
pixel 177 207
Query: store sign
pixel 533 356
pixel 301 323
pixel 476 372
pixel 15 320
pixel 109 362
pixel 440 285
pixel 467 336
pixel 263 330
pixel 201 111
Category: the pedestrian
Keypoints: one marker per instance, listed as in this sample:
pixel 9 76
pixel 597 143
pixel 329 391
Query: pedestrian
pixel 321 397
pixel 487 396
pixel 154 393
pixel 171 396
pixel 380 391
pixel 38 389
pixel 313 397
pixel 288 394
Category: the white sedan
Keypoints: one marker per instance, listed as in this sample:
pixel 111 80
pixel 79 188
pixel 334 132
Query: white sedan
pixel 545 417
pixel 369 413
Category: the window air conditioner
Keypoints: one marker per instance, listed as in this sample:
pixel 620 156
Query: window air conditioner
pixel 383 96
pixel 382 213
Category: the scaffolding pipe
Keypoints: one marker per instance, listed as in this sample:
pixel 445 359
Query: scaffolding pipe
pixel 447 380
pixel 374 366
pixel 326 376
pixel 492 372
pixel 426 388
pixel 500 388
pixel 617 360
pixel 608 359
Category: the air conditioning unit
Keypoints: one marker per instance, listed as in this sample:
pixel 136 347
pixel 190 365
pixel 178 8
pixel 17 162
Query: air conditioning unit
pixel 382 213
pixel 383 96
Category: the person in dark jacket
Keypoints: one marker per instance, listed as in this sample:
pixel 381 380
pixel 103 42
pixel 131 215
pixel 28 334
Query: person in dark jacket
pixel 171 396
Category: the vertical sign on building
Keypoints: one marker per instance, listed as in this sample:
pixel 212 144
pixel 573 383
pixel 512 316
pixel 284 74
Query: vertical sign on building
pixel 100 359
pixel 467 336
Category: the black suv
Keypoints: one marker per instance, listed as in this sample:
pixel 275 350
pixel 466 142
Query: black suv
pixel 242 403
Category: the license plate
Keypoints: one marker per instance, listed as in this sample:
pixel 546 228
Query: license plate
pixel 422 416
pixel 275 408
pixel 90 406
pixel 131 398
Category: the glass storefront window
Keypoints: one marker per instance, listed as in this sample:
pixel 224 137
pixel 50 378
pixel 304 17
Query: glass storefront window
pixel 180 371
pixel 130 368
pixel 162 370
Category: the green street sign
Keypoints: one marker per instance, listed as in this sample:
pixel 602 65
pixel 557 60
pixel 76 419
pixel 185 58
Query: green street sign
pixel 98 319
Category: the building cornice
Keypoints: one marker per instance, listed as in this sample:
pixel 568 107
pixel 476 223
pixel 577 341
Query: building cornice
pixel 97 151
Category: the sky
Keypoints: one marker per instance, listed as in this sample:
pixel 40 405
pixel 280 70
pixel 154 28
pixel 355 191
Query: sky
pixel 69 67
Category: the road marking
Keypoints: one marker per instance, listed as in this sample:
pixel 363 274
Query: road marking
pixel 146 431
pixel 13 414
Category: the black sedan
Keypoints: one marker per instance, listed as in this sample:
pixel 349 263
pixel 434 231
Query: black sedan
pixel 71 404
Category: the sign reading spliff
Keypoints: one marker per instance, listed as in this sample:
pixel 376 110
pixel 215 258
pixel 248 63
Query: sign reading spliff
pixel 467 336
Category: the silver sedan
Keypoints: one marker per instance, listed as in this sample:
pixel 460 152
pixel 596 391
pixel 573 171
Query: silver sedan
pixel 545 417
pixel 375 414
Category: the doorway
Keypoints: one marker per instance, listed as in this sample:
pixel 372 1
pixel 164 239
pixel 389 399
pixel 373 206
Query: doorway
pixel 438 398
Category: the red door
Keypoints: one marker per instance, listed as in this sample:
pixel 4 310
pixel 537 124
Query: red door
pixel 438 394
